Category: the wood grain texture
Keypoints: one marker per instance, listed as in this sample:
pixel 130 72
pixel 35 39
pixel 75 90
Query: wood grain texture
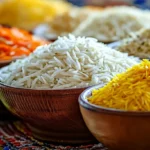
pixel 52 115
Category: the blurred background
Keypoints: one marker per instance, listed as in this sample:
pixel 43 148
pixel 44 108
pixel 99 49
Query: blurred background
pixel 139 3
pixel 27 14
pixel 48 19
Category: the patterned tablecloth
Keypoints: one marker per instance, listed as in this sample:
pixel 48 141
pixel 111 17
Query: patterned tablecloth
pixel 14 135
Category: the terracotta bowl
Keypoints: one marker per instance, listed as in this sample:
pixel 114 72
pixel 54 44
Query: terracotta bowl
pixel 51 115
pixel 116 129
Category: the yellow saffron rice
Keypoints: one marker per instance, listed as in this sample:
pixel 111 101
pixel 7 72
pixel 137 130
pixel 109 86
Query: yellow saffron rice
pixel 127 91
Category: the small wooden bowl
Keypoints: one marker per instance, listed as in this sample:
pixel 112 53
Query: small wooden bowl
pixel 116 129
pixel 52 115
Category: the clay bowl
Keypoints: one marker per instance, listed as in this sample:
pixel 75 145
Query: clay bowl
pixel 51 115
pixel 116 129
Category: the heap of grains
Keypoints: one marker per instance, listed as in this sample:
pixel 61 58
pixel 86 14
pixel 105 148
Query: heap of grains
pixel 16 42
pixel 137 45
pixel 69 62
pixel 127 91
pixel 113 24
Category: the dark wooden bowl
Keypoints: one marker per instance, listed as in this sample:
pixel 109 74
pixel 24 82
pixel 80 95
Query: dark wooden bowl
pixel 51 115
pixel 116 129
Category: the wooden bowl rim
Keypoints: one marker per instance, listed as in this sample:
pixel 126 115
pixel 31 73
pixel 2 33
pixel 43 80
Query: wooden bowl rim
pixel 92 107
pixel 38 90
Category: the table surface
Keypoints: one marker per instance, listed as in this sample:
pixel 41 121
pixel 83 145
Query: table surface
pixel 14 135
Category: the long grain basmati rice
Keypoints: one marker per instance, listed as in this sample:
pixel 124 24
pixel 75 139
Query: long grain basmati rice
pixel 69 62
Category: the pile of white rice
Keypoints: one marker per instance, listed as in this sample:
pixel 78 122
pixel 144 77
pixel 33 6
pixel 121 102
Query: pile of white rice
pixel 114 23
pixel 138 45
pixel 69 62
pixel 64 23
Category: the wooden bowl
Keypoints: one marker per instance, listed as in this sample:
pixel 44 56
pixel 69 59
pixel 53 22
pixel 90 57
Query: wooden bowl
pixel 116 129
pixel 5 115
pixel 52 115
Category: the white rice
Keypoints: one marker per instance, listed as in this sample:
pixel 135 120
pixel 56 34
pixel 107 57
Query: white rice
pixel 69 62
pixel 114 23
pixel 138 45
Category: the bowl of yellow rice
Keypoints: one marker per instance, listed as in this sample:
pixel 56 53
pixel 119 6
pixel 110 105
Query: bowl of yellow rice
pixel 118 113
